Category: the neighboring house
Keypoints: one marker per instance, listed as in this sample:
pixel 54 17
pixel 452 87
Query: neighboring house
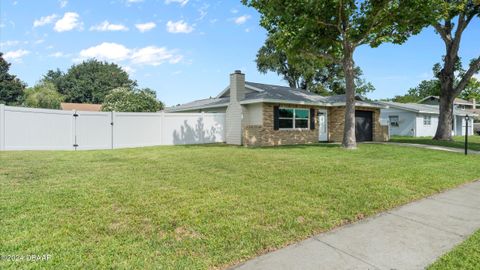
pixel 81 107
pixel 457 103
pixel 261 114
pixel 470 106
pixel 418 120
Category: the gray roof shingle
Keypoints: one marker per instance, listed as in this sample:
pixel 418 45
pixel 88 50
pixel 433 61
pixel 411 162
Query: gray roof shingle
pixel 421 108
pixel 268 92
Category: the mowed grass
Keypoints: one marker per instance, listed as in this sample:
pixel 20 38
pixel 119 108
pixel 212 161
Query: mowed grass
pixel 458 141
pixel 201 207
pixel 465 256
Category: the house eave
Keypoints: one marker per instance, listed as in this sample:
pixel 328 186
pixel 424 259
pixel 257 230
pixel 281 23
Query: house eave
pixel 197 108
pixel 280 101
pixel 318 104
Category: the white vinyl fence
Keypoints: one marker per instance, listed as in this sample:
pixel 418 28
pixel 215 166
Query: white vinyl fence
pixel 41 129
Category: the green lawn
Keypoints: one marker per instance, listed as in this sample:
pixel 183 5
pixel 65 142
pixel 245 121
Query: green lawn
pixel 466 256
pixel 200 207
pixel 458 141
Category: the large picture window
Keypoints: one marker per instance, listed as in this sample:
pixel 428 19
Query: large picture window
pixel 290 118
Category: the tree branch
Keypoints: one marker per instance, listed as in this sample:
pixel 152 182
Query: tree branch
pixel 375 22
pixel 443 34
pixel 474 68
pixel 325 56
pixel 336 26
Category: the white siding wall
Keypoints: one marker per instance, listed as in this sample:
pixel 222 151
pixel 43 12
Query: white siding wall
pixel 234 119
pixel 40 129
pixel 406 120
pixel 254 114
pixel 426 130
pixel 461 124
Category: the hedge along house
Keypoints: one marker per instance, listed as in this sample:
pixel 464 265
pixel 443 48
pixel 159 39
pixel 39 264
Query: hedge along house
pixel 266 115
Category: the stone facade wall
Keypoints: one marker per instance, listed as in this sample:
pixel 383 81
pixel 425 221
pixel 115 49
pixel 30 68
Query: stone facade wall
pixel 336 120
pixel 265 135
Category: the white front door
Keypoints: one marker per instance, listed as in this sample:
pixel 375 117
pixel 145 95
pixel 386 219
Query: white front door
pixel 322 125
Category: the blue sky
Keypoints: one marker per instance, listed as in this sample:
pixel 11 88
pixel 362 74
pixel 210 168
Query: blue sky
pixel 184 49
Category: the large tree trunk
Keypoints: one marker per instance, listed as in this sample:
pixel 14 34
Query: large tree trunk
pixel 349 140
pixel 447 96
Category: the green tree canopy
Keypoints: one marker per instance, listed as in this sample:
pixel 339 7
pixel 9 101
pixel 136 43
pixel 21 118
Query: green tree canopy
pixel 11 88
pixel 315 76
pixel 472 90
pixel 89 81
pixel 43 95
pixel 424 89
pixel 124 99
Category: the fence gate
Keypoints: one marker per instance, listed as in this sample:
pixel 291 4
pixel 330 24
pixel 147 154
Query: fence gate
pixel 93 130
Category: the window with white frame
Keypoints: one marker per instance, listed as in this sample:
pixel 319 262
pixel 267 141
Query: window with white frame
pixel 289 118
pixel 427 120
pixel 394 120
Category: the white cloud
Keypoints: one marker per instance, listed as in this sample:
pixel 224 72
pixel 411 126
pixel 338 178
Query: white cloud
pixel 44 20
pixel 203 11
pixel 144 27
pixel 150 55
pixel 9 43
pixel 107 26
pixel 134 1
pixel 106 51
pixel 242 19
pixel 477 76
pixel 63 3
pixel 181 2
pixel 128 69
pixel 69 22
pixel 179 27
pixel 57 54
pixel 39 41
pixel 155 56
pixel 234 11
pixel 15 55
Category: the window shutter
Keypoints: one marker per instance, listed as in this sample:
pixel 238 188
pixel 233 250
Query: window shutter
pixel 312 118
pixel 276 121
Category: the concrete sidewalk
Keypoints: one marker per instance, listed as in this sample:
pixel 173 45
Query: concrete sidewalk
pixel 432 147
pixel 410 237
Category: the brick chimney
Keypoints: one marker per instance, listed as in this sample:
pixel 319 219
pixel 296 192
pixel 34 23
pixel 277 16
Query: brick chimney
pixel 235 111
pixel 237 86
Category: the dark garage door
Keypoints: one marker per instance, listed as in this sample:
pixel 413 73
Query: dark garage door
pixel 363 126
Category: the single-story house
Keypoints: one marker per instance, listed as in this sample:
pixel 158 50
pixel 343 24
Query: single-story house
pixel 418 120
pixel 264 115
pixel 458 102
pixel 470 106
pixel 81 107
